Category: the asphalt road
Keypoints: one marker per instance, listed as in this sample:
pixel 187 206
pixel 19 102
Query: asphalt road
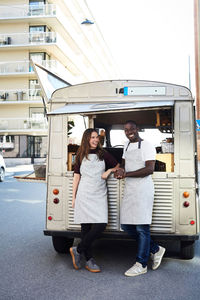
pixel 31 269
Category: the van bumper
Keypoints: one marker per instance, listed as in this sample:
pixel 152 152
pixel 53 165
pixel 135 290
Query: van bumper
pixel 123 235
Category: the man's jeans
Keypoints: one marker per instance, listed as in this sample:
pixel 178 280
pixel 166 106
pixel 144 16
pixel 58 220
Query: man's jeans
pixel 145 244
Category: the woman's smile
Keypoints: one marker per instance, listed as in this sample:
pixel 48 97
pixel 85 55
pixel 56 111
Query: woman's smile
pixel 94 140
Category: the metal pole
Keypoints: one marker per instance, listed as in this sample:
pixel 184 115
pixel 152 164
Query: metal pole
pixel 189 75
pixel 197 55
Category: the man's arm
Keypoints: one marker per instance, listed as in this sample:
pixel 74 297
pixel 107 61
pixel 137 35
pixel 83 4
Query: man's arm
pixel 143 172
pixel 122 165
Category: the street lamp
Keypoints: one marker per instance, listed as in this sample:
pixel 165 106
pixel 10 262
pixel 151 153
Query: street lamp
pixel 87 22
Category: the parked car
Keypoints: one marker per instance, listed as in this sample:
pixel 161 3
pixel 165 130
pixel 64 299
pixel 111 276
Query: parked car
pixel 2 168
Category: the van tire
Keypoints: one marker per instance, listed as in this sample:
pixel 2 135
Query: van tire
pixel 187 249
pixel 62 244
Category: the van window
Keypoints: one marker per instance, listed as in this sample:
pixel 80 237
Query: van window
pixel 76 132
pixel 156 126
pixel 154 136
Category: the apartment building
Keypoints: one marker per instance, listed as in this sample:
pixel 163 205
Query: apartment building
pixel 58 35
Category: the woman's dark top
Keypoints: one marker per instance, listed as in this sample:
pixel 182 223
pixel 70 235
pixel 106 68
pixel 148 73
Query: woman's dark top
pixel 110 161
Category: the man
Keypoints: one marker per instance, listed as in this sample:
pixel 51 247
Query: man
pixel 138 163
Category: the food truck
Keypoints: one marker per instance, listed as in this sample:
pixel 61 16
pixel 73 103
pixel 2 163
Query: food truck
pixel 164 109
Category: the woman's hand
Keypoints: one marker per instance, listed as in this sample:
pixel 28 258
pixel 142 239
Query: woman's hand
pixel 109 171
pixel 106 174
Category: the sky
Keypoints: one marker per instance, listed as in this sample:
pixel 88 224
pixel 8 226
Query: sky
pixel 149 39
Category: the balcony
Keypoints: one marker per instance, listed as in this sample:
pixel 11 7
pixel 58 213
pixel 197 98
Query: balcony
pixel 23 125
pixel 26 39
pixel 52 43
pixel 24 69
pixel 24 95
pixel 15 12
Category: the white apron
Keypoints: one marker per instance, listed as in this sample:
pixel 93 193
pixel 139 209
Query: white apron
pixel 137 204
pixel 91 204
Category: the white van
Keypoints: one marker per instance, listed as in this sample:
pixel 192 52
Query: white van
pixel 160 109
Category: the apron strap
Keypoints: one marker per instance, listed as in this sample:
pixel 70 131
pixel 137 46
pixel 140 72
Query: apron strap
pixel 127 146
pixel 139 145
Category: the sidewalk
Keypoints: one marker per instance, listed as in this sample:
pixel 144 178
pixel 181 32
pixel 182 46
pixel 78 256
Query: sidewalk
pixel 13 162
pixel 20 168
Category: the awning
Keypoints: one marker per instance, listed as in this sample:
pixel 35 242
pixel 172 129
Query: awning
pixel 83 108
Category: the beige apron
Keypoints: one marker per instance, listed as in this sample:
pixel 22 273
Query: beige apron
pixel 138 197
pixel 91 204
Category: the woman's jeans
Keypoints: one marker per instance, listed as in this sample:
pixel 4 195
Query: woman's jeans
pixel 145 244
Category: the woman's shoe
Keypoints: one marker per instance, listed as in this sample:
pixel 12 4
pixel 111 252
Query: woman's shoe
pixel 92 266
pixel 76 257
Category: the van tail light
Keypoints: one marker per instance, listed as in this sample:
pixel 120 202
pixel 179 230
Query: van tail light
pixel 192 222
pixel 56 200
pixel 50 218
pixel 186 203
pixel 55 191
pixel 186 194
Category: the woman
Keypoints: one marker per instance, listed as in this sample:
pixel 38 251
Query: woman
pixel 90 195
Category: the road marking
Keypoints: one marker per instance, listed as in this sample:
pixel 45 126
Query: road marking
pixel 12 190
pixel 24 201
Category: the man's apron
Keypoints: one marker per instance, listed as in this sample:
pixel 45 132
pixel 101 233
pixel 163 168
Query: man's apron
pixel 138 197
pixel 91 204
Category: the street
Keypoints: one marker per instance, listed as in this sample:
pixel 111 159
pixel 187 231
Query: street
pixel 31 269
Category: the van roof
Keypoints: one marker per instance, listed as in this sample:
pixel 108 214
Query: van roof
pixel 121 90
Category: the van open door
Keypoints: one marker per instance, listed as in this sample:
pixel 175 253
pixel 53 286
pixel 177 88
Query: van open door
pixel 49 82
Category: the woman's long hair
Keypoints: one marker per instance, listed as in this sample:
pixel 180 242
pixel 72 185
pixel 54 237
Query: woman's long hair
pixel 84 148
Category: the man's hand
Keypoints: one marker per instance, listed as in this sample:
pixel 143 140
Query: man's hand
pixel 119 173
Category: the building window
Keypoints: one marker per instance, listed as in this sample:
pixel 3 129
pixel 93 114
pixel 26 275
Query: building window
pixel 40 28
pixel 7 142
pixel 36 7
pixel 39 34
pixel 34 88
pixel 37 146
pixel 36 113
pixel 33 84
pixel 36 2
pixel 39 57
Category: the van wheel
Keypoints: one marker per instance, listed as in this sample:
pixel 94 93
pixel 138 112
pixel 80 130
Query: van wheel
pixel 2 174
pixel 187 249
pixel 62 244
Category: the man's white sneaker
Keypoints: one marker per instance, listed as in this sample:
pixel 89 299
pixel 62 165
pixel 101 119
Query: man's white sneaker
pixel 136 269
pixel 157 258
